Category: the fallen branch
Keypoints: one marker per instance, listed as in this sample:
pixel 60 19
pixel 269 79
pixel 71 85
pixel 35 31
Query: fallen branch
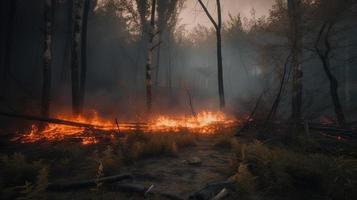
pixel 145 191
pixel 63 122
pixel 87 183
pixel 223 193
pixel 211 190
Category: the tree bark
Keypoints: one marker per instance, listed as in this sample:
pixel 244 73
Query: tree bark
pixel 294 38
pixel 47 58
pixel 75 58
pixel 148 81
pixel 157 68
pixel 218 27
pixel 82 84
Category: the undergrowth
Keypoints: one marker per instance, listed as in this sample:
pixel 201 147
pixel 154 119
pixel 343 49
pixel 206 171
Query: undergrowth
pixel 281 173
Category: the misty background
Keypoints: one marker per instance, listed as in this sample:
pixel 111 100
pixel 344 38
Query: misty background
pixel 254 52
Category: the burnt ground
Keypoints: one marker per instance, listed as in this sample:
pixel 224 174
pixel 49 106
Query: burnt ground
pixel 181 175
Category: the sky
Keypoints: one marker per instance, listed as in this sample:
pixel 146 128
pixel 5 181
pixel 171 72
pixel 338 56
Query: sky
pixel 192 13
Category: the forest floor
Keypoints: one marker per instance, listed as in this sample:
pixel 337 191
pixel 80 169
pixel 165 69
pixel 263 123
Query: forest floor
pixel 188 171
pixel 178 165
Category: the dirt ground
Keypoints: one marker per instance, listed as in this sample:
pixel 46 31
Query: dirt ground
pixel 181 175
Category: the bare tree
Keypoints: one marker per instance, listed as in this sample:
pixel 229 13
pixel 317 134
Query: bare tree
pixel 47 58
pixel 294 40
pixel 218 27
pixel 324 55
pixel 9 37
pixel 82 85
pixel 148 81
pixel 167 12
pixel 75 58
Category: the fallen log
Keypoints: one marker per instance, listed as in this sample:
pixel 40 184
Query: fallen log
pixel 145 191
pixel 211 190
pixel 335 131
pixel 87 183
pixel 64 122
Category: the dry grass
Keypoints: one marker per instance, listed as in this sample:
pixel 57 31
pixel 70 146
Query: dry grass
pixel 25 178
pixel 141 145
pixel 281 173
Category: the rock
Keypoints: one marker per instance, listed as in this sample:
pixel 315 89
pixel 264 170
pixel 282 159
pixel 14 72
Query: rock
pixel 194 161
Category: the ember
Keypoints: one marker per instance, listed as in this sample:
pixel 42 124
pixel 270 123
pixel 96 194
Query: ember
pixel 203 123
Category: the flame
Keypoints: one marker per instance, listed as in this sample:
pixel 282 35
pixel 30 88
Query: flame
pixel 202 123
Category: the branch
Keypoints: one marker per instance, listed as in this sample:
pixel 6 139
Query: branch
pixel 216 26
pixel 86 183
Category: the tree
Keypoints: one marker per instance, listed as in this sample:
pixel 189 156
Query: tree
pixel 9 37
pixel 148 81
pixel 324 55
pixel 218 27
pixel 47 58
pixel 166 20
pixel 82 85
pixel 294 40
pixel 75 58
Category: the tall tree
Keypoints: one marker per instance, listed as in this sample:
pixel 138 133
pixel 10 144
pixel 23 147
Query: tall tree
pixel 167 12
pixel 148 81
pixel 82 85
pixel 324 55
pixel 218 27
pixel 75 58
pixel 9 37
pixel 295 47
pixel 47 58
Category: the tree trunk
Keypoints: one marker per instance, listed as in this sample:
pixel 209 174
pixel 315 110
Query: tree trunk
pixel 325 60
pixel 9 38
pixel 84 55
pixel 148 81
pixel 218 27
pixel 47 58
pixel 222 101
pixel 294 37
pixel 157 68
pixel 75 58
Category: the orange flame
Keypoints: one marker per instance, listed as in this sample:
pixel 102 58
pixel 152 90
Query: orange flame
pixel 203 123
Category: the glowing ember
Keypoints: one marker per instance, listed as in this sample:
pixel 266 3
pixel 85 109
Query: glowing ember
pixel 203 123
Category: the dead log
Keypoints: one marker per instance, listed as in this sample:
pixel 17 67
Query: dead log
pixel 142 190
pixel 211 190
pixel 49 120
pixel 87 183
pixel 64 122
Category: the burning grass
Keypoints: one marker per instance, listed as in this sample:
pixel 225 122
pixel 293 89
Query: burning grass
pixel 204 123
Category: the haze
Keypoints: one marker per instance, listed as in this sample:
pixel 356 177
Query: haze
pixel 192 13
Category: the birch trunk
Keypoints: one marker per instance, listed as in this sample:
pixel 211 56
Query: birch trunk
pixel 148 81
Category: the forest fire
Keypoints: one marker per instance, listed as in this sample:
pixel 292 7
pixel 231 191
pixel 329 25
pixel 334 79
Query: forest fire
pixel 203 123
